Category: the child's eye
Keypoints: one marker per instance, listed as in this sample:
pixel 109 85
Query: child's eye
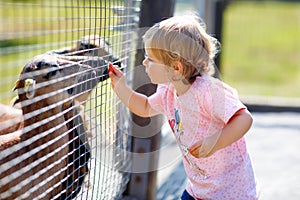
pixel 147 58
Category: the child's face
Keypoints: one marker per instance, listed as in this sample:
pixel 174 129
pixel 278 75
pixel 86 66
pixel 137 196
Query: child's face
pixel 156 70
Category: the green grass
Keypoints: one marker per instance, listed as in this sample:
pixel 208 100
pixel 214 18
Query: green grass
pixel 261 48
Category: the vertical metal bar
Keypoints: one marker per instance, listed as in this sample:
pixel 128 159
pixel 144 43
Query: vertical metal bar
pixel 214 20
pixel 143 185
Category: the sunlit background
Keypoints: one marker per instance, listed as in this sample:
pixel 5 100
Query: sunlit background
pixel 260 46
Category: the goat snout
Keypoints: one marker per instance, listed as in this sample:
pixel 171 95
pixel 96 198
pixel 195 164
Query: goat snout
pixel 86 81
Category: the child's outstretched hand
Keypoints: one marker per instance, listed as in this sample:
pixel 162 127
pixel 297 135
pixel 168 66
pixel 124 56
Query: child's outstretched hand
pixel 116 76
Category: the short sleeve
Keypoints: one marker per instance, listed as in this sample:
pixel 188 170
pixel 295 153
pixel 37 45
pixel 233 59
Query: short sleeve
pixel 221 101
pixel 157 100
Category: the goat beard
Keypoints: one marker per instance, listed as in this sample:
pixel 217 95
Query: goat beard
pixel 78 157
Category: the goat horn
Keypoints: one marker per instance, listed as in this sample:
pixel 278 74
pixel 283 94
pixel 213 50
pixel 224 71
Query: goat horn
pixel 15 101
pixel 17 85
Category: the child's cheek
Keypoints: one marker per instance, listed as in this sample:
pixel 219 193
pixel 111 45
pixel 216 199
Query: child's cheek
pixel 149 69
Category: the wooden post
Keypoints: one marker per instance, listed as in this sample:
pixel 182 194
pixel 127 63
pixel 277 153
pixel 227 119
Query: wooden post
pixel 146 131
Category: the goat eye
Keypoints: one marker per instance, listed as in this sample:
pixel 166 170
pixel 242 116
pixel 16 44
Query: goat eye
pixel 50 74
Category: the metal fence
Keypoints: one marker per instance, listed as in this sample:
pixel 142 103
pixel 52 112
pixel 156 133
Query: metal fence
pixel 65 135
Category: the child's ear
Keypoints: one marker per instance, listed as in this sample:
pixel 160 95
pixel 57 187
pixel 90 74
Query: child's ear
pixel 177 66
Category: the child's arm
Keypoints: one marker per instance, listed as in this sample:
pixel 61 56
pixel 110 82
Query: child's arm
pixel 136 102
pixel 235 129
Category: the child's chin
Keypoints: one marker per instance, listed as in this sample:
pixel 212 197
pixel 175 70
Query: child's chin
pixel 155 82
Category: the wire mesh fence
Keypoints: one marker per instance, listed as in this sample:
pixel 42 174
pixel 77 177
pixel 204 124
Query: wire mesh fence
pixel 63 133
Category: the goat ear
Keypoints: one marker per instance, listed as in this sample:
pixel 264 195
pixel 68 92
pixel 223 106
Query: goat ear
pixel 29 88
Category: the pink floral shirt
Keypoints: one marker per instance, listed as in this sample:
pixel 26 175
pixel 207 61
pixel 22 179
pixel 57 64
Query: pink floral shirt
pixel 200 112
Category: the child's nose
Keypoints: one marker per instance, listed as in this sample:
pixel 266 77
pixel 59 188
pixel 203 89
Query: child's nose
pixel 145 62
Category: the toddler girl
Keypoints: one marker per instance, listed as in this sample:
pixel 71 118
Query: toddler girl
pixel 205 114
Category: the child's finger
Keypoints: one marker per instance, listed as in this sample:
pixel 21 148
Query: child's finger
pixel 114 79
pixel 195 146
pixel 112 75
pixel 194 152
pixel 194 149
pixel 114 69
pixel 110 68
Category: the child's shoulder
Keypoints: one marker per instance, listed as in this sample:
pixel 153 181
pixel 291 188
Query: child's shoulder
pixel 165 89
pixel 211 83
pixel 207 81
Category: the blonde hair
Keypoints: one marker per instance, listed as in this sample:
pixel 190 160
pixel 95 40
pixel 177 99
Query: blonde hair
pixel 183 39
